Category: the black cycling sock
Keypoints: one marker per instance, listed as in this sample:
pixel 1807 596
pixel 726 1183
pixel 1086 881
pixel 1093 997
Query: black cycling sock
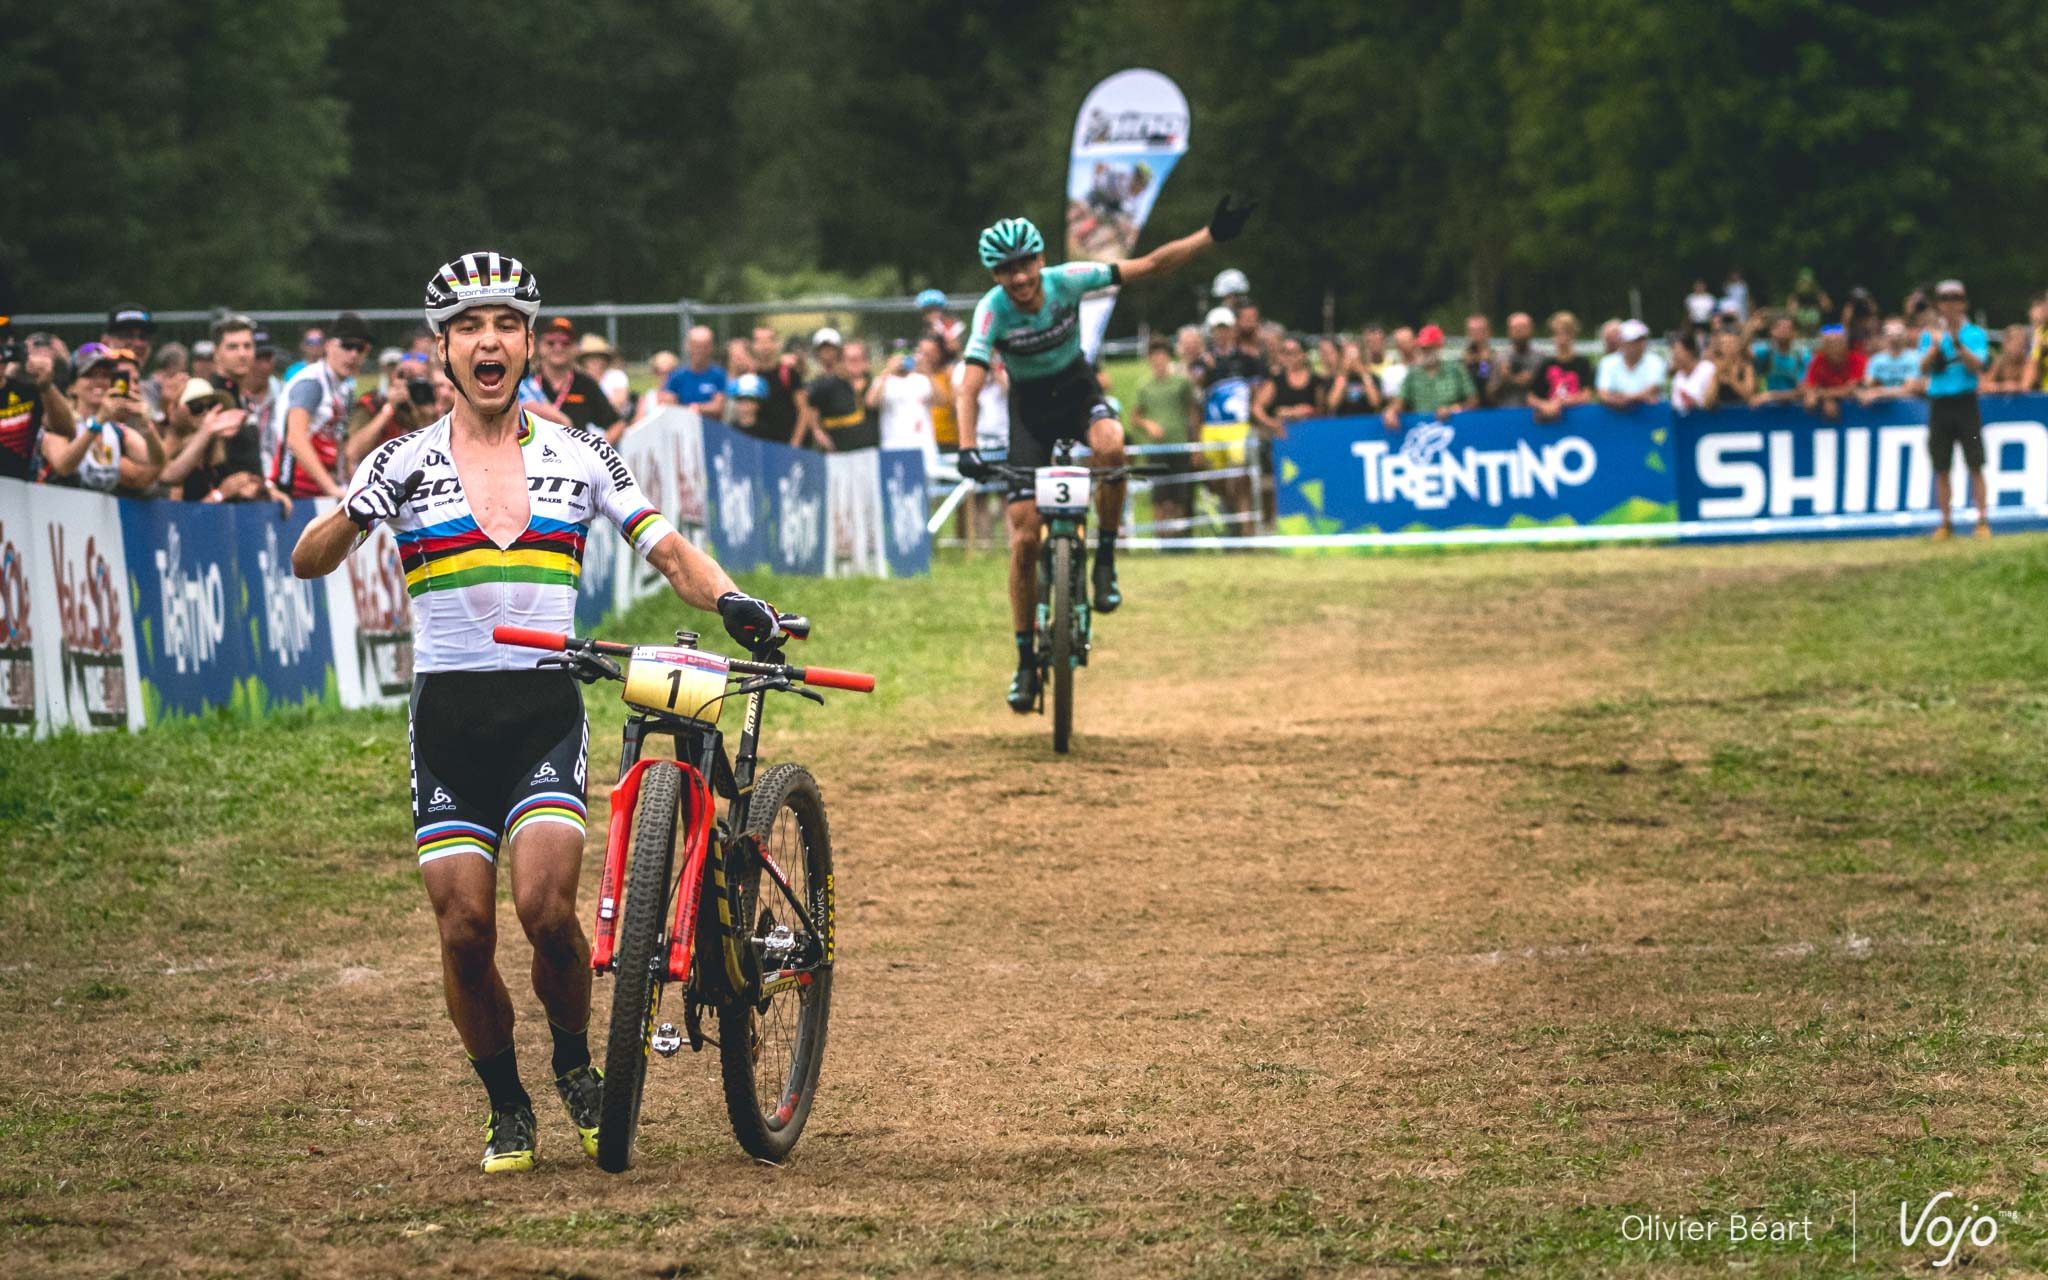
pixel 500 1074
pixel 1105 544
pixel 1026 644
pixel 572 1049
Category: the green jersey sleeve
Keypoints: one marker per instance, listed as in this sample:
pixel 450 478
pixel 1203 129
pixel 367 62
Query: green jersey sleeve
pixel 1070 280
pixel 981 333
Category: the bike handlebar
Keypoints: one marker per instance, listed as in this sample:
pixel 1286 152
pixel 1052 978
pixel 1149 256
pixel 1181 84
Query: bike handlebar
pixel 555 641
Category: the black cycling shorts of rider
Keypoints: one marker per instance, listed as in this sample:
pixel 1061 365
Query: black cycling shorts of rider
pixel 494 752
pixel 1044 411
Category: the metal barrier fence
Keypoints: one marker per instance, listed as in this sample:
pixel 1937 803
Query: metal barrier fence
pixel 1208 515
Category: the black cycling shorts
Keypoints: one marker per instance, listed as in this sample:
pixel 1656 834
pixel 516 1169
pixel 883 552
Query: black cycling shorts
pixel 1044 411
pixel 1952 421
pixel 494 752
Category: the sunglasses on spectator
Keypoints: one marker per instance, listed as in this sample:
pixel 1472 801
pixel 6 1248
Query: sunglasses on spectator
pixel 356 345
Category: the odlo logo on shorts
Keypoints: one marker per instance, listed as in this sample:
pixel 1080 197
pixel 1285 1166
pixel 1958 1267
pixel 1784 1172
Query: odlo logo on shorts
pixel 441 801
pixel 546 773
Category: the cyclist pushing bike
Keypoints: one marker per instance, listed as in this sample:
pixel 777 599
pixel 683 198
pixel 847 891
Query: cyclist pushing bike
pixel 1033 317
pixel 490 506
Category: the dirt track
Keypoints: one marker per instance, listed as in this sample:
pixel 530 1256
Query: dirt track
pixel 1273 970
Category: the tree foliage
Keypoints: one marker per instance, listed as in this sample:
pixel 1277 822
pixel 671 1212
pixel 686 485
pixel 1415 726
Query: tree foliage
pixel 1413 160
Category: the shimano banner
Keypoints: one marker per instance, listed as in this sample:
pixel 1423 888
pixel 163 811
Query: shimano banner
pixel 1489 469
pixel 1782 472
pixel 1131 130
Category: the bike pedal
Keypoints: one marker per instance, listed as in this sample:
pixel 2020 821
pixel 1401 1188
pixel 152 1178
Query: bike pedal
pixel 666 1040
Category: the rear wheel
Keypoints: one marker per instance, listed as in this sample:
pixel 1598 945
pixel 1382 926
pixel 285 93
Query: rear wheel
pixel 636 986
pixel 771 1047
pixel 1065 573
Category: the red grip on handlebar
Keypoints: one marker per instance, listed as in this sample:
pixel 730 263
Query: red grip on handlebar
pixel 856 681
pixel 527 637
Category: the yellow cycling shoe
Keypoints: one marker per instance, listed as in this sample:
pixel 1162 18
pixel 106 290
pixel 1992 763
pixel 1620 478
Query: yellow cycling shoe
pixel 508 1142
pixel 582 1092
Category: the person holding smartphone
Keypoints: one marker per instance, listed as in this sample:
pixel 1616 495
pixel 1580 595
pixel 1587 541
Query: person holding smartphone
pixel 404 403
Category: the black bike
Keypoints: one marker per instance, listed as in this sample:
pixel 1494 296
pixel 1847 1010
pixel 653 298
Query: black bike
pixel 745 924
pixel 1064 619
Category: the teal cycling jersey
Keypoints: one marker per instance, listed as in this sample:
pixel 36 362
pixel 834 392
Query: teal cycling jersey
pixel 1043 342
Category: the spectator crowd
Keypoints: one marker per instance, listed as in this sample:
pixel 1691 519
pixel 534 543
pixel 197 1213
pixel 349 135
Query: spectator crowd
pixel 235 417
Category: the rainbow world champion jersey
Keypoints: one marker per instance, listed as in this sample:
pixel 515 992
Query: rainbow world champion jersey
pixel 462 584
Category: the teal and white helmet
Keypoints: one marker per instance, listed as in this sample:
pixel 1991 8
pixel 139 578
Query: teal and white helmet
pixel 1008 239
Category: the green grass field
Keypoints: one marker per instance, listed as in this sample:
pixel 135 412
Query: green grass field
pixel 1393 915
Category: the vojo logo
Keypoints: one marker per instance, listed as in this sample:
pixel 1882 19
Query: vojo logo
pixel 288 615
pixel 1427 474
pixel 1854 471
pixel 735 498
pixel 803 517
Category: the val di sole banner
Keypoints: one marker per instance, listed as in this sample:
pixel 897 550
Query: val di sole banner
pixel 118 613
pixel 1770 472
pixel 1130 132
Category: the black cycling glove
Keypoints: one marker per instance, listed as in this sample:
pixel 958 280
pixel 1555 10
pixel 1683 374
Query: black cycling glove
pixel 751 622
pixel 381 499
pixel 1227 222
pixel 971 466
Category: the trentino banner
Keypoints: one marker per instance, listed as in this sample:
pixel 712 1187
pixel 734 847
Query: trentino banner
pixel 1131 130
pixel 1776 471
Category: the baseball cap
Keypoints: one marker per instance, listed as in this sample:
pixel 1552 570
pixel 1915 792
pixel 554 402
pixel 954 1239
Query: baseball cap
pixel 1951 288
pixel 202 349
pixel 1832 331
pixel 264 345
pixel 350 327
pixel 389 357
pixel 1431 336
pixel 752 386
pixel 1633 331
pixel 826 337
pixel 93 354
pixel 128 315
pixel 1221 316
pixel 930 298
pixel 562 325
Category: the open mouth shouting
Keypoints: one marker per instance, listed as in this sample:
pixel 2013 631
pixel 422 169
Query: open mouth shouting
pixel 490 376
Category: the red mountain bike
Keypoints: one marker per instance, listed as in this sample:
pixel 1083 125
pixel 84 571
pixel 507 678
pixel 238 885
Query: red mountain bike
pixel 744 924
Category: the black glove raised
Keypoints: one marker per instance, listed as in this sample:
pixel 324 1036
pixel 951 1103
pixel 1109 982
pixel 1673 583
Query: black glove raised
pixel 381 499
pixel 971 466
pixel 751 622
pixel 1228 222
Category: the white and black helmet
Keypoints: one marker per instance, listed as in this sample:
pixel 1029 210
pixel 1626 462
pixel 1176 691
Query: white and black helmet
pixel 481 279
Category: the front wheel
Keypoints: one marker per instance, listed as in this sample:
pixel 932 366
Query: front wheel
pixel 770 1046
pixel 636 991
pixel 1065 574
